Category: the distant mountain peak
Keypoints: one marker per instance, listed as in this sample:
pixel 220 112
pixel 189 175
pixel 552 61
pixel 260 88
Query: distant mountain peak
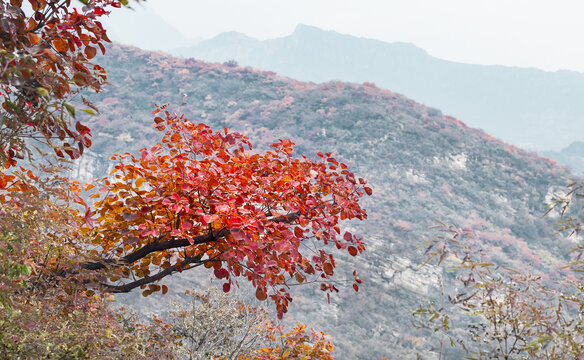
pixel 231 37
pixel 308 29
pixel 303 30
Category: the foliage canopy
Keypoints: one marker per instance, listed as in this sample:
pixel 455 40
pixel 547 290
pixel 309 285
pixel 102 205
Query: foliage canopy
pixel 201 198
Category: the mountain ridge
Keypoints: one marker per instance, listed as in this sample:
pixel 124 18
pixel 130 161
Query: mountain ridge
pixel 520 105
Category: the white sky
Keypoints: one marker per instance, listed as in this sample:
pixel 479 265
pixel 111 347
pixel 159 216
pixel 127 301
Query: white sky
pixel 530 33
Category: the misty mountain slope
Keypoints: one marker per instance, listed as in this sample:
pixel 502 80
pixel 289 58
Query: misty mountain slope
pixel 421 164
pixel 148 29
pixel 526 107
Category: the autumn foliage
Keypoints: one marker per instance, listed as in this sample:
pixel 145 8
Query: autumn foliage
pixel 45 60
pixel 198 198
pixel 201 197
pixel 296 344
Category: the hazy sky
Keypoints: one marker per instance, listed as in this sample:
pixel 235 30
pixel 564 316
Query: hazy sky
pixel 531 33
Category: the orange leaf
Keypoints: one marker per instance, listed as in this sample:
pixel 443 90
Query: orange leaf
pixel 328 268
pixel 164 289
pixel 299 277
pixel 86 39
pixel 61 44
pixel 175 137
pixel 34 38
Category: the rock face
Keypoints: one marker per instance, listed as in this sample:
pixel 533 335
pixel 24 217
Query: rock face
pixel 423 166
pixel 400 272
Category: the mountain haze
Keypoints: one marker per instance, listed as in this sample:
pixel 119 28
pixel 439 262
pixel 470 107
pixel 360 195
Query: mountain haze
pixel 148 31
pixel 422 165
pixel 527 107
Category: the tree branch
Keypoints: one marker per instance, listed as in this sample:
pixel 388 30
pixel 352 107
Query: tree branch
pixel 153 247
pixel 166 245
pixel 150 279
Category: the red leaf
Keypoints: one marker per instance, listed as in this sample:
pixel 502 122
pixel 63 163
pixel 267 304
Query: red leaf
pixel 261 294
pixel 88 220
pixel 298 232
pixel 187 225
pixel 237 234
pixel 82 129
pixel 226 287
pixel 352 250
pixel 368 190
pixel 356 287
pixel 146 156
pixel 221 273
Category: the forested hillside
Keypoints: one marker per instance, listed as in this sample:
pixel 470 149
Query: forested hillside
pixel 423 166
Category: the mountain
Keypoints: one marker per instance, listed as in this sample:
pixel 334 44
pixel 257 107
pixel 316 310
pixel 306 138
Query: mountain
pixel 148 31
pixel 572 155
pixel 527 107
pixel 423 165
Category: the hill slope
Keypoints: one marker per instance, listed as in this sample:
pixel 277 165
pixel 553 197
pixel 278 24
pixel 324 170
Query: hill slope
pixel 519 105
pixel 422 165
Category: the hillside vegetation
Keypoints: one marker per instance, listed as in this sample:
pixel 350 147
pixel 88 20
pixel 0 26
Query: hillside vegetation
pixel 422 165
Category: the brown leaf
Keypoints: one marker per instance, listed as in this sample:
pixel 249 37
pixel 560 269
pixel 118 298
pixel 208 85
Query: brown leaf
pixel 48 53
pixel 90 52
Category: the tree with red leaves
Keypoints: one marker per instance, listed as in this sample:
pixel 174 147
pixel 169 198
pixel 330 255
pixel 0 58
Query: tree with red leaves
pixel 201 197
